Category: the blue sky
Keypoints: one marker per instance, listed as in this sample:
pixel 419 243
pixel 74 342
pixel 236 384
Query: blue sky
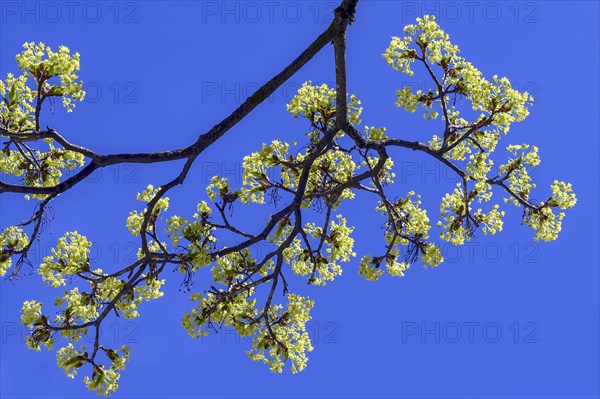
pixel 502 317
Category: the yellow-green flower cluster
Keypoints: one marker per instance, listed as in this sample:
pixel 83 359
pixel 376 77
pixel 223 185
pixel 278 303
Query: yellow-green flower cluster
pixel 432 255
pixel 407 99
pixel 129 304
pixel 291 341
pixel 43 64
pixel 519 180
pixel 338 242
pixel 338 247
pixel 70 359
pixel 12 162
pixel 495 99
pixel 105 381
pixel 230 267
pixel 53 75
pixel 409 218
pixel 399 54
pixel 237 311
pixel 407 225
pixel 48 171
pixel 453 211
pixel 32 318
pixel 541 218
pixel 479 163
pixel 220 184
pixel 79 306
pixel 457 220
pixel 396 269
pixel 136 219
pixel 31 313
pixel 256 171
pixel 428 35
pixel 70 256
pixel 544 221
pixel 12 239
pixel 491 221
pixel 369 269
pixel 17 108
pixel 336 167
pixel 406 218
pixel 375 133
pixel 198 234
pixel 563 196
pixel 109 288
pixel 318 104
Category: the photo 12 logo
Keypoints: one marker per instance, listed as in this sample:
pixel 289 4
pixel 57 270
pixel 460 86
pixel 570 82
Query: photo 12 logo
pixel 52 12
pixel 253 12
pixel 471 332
pixel 319 333
pixel 118 332
pixel 526 12
pixel 115 92
pixel 238 92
